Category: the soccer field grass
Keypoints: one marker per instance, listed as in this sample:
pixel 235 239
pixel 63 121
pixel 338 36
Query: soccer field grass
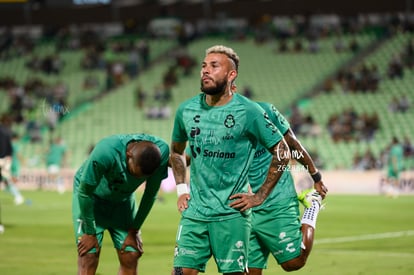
pixel 355 235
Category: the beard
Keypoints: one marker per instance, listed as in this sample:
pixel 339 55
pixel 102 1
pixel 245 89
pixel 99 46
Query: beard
pixel 219 87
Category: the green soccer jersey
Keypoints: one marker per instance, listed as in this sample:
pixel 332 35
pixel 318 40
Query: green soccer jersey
pixel 15 166
pixel 395 159
pixel 105 177
pixel 222 141
pixel 55 154
pixel 285 187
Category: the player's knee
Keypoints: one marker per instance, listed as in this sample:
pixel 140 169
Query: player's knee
pixel 289 268
pixel 293 265
pixel 88 261
pixel 255 271
pixel 177 271
pixel 129 260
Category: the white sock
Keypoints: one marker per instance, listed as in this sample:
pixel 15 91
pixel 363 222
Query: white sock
pixel 310 214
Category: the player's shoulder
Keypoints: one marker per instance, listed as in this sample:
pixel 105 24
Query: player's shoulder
pixel 197 99
pixel 268 107
pixel 108 139
pixel 247 104
pixel 106 144
pixel 242 99
pixel 116 140
pixel 265 105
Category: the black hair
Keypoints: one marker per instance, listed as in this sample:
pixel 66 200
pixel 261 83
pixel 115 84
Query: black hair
pixel 149 159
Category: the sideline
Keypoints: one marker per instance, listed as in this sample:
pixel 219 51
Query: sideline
pixel 368 253
pixel 366 237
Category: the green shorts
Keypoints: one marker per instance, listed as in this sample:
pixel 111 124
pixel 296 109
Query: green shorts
pixel 117 218
pixel 392 173
pixel 227 241
pixel 275 230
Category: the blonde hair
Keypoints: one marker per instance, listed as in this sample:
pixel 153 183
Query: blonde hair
pixel 229 52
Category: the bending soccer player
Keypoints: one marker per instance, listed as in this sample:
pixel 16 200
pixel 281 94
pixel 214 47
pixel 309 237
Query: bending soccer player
pixel 104 197
pixel 276 229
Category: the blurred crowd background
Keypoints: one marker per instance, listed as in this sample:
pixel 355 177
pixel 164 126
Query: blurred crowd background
pixel 342 73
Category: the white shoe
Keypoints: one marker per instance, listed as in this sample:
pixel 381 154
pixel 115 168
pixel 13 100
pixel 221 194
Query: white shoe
pixel 1 229
pixel 18 200
pixel 61 189
pixel 308 196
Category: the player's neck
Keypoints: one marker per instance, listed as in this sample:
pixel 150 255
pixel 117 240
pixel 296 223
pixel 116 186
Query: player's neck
pixel 219 99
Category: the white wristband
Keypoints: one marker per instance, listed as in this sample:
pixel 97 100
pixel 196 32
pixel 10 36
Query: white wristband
pixel 182 188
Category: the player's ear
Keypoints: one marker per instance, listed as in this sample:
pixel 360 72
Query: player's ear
pixel 232 75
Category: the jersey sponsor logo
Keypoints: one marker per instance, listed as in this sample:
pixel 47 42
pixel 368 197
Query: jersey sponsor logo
pixel 219 154
pixel 290 248
pixel 184 251
pixel 241 262
pixel 195 131
pixel 196 118
pixel 211 138
pixel 195 151
pixel 277 252
pixel 283 238
pixel 225 261
pixel 239 246
pixel 228 137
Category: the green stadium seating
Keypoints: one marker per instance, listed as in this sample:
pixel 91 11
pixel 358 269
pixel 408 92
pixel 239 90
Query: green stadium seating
pixel 283 79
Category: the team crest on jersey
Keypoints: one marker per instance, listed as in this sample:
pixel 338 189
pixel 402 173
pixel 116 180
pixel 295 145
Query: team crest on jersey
pixel 195 131
pixel 229 122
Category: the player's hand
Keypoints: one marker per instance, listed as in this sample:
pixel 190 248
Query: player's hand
pixel 244 201
pixel 321 188
pixel 134 240
pixel 182 202
pixel 86 243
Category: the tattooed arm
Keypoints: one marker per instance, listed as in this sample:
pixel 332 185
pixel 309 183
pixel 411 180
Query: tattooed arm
pixel 179 167
pixel 304 158
pixel 280 156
